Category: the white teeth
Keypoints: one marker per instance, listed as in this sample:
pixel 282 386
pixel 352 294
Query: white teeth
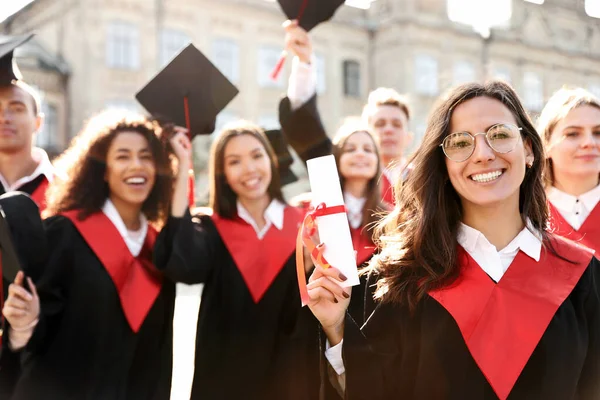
pixel 490 176
pixel 251 182
pixel 136 180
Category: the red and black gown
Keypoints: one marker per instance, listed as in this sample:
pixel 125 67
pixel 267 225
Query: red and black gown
pixel 246 343
pixel 589 232
pixel 105 328
pixel 533 335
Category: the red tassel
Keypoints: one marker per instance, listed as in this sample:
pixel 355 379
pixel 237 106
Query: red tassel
pixel 278 66
pixel 191 179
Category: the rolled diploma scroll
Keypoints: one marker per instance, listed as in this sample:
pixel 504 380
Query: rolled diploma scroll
pixel 334 230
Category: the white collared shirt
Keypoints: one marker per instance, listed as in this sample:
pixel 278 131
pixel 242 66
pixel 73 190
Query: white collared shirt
pixel 574 209
pixel 354 209
pixel 44 167
pixel 303 82
pixel 273 216
pixel 133 239
pixel 492 262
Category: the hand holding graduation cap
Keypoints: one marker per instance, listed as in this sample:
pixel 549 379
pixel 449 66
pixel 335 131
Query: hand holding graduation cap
pixel 182 147
pixel 22 308
pixel 297 41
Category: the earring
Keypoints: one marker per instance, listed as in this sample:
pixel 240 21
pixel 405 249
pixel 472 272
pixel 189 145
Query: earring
pixel 529 164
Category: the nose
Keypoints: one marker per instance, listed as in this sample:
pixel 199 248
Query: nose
pixel 589 140
pixel 4 115
pixel 482 152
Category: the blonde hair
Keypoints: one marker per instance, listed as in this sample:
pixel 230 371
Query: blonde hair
pixel 558 107
pixel 385 97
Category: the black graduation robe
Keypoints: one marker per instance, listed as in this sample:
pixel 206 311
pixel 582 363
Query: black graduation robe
pixel 588 233
pixel 533 335
pixel 84 346
pixel 246 346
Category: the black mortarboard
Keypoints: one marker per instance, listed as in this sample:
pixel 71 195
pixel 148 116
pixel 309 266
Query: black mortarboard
pixel 8 67
pixel 190 92
pixel 284 157
pixel 310 13
pixel 22 236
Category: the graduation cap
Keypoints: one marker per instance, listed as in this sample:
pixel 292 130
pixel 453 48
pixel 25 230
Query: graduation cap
pixel 308 13
pixel 8 66
pixel 190 92
pixel 22 237
pixel 284 157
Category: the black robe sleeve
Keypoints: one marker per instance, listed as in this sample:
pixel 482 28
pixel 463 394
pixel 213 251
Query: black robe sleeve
pixel 53 283
pixel 304 130
pixel 589 382
pixel 186 249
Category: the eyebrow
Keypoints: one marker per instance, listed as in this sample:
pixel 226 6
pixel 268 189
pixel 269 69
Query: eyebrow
pixel 579 127
pixel 122 150
pixel 251 151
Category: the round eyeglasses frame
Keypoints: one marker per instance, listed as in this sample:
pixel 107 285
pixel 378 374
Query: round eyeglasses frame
pixel 475 143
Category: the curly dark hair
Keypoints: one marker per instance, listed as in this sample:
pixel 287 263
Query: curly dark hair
pixel 419 238
pixel 84 164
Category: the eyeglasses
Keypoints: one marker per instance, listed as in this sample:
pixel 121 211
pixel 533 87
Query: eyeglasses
pixel 502 138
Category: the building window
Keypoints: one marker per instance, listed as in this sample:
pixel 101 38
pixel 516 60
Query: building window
pixel 226 56
pixel 592 8
pixel 321 73
pixel 171 43
pixel 48 135
pixel 502 74
pixel 269 121
pixel 123 46
pixel 351 78
pixel 533 91
pixel 463 72
pixel 267 60
pixel 426 73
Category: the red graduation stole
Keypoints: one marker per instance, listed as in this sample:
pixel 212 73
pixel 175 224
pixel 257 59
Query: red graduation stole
pixel 259 261
pixel 39 194
pixel 136 279
pixel 502 323
pixel 362 245
pixel 387 190
pixel 588 234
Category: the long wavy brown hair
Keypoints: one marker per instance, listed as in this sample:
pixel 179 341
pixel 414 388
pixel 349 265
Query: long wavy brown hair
pixel 84 164
pixel 560 104
pixel 222 199
pixel 373 205
pixel 419 238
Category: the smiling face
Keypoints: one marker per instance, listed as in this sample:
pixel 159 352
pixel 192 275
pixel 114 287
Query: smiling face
pixel 359 158
pixel 487 178
pixel 247 167
pixel 575 143
pixel 130 169
pixel 18 119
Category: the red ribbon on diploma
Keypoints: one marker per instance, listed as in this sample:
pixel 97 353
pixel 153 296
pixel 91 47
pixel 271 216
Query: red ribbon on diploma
pixel 304 239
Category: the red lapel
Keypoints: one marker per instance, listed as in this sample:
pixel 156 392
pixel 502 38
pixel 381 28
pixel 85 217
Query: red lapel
pixel 259 261
pixel 387 190
pixel 362 245
pixel 588 234
pixel 503 323
pixel 135 278
pixel 39 194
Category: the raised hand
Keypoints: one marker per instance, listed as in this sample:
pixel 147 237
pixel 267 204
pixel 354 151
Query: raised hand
pixel 329 301
pixel 182 147
pixel 297 41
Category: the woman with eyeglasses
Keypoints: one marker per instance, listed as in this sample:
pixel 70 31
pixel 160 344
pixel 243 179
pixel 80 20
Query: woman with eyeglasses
pixel 476 299
pixel 570 128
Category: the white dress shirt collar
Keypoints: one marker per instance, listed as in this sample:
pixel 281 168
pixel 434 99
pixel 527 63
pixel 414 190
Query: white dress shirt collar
pixel 44 167
pixel 574 209
pixel 495 263
pixel 134 239
pixel 354 209
pixel 273 216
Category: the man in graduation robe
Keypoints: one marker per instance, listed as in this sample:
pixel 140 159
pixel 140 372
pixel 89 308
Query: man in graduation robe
pixel 386 113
